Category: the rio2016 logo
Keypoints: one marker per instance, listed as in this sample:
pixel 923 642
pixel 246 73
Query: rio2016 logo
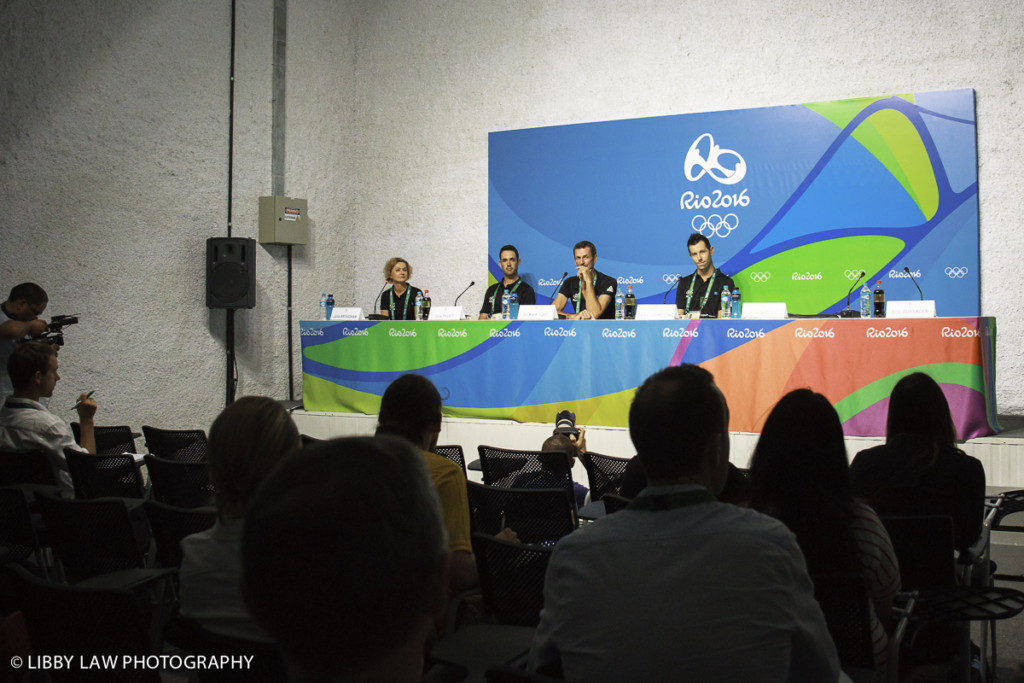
pixel 728 173
pixel 887 333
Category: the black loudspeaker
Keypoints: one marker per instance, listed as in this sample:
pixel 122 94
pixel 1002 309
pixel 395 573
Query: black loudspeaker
pixel 230 272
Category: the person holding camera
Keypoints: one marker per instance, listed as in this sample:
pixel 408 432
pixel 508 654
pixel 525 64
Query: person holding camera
pixel 19 321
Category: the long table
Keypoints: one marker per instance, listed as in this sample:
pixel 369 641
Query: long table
pixel 528 370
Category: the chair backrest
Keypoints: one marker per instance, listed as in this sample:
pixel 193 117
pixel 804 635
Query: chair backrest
pixel 503 466
pixel 613 502
pixel 113 440
pixel 31 467
pixel 17 533
pixel 99 476
pixel 536 515
pixel 604 473
pixel 170 524
pixel 90 537
pixel 454 453
pixel 845 602
pixel 924 548
pixel 81 621
pixel 182 484
pixel 511 579
pixel 1010 502
pixel 187 445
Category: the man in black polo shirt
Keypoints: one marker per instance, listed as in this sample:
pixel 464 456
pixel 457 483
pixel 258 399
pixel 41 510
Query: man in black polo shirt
pixel 701 291
pixel 508 258
pixel 590 292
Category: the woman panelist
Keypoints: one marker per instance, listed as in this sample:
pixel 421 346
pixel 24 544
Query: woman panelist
pixel 399 302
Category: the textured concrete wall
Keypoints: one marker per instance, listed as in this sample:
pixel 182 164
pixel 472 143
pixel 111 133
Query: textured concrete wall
pixel 113 148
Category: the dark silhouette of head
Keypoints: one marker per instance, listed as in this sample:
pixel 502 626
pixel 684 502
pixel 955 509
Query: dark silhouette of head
pixel 411 407
pixel 918 408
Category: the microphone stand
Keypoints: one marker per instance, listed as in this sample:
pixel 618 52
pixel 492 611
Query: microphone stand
pixel 555 292
pixel 679 278
pixel 374 315
pixel 848 313
pixel 471 283
pixel 907 271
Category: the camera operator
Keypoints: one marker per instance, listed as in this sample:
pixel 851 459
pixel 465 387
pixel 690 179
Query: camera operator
pixel 19 321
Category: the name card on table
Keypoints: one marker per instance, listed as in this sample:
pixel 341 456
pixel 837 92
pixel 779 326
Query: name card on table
pixel 346 313
pixel 764 310
pixel 537 312
pixel 656 312
pixel 910 309
pixel 446 312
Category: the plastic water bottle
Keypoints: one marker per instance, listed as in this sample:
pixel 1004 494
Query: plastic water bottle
pixel 328 306
pixel 726 303
pixel 426 304
pixel 419 306
pixel 513 306
pixel 505 313
pixel 620 305
pixel 630 304
pixel 323 305
pixel 865 301
pixel 879 300
pixel 736 309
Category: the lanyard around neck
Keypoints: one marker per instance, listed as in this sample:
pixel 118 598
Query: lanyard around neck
pixel 671 501
pixel 499 287
pixel 405 314
pixel 707 292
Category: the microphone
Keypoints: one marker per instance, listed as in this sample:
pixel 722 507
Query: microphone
pixel 374 315
pixel 679 278
pixel 848 313
pixel 560 280
pixel 907 271
pixel 471 283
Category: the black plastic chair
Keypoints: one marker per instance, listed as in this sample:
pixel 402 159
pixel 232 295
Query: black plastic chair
pixel 604 473
pixel 30 467
pixel 99 476
pixel 511 579
pixel 181 484
pixel 170 524
pixel 97 538
pixel 613 502
pixel 20 536
pixel 113 440
pixel 536 515
pixel 1008 503
pixel 453 453
pixel 82 622
pixel 845 602
pixel 185 445
pixel 503 466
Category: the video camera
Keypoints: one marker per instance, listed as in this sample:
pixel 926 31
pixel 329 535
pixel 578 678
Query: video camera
pixel 54 333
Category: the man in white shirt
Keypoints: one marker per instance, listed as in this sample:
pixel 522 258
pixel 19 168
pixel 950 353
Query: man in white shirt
pixel 679 586
pixel 26 424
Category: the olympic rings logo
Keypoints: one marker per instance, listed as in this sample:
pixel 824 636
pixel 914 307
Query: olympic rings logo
pixel 670 278
pixel 956 272
pixel 710 164
pixel 853 274
pixel 719 226
pixel 758 276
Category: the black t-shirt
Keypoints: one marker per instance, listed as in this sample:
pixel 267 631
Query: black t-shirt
pixel 605 285
pixel 492 299
pixel 405 305
pixel 714 302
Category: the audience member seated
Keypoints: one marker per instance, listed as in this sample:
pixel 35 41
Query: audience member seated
pixel 27 425
pixel 799 475
pixel 247 440
pixel 736 490
pixel 679 586
pixel 552 474
pixel 919 470
pixel 345 560
pixel 411 408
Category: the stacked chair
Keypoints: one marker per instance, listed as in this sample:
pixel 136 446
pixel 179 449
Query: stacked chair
pixel 184 445
pixel 113 440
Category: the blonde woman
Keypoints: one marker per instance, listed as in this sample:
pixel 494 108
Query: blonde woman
pixel 399 302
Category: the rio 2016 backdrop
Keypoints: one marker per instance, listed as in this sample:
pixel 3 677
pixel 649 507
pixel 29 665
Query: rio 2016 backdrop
pixel 796 200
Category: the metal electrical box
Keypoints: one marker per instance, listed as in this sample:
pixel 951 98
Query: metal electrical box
pixel 283 220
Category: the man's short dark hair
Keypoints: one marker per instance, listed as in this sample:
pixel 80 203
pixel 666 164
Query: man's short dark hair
pixel 26 360
pixel 697 237
pixel 585 245
pixel 674 415
pixel 342 554
pixel 29 292
pixel 509 247
pixel 408 407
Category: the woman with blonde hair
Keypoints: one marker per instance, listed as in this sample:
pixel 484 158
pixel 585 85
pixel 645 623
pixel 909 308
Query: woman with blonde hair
pixel 399 302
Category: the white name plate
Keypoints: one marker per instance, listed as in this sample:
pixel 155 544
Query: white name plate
pixel 764 310
pixel 656 312
pixel 346 313
pixel 537 312
pixel 446 312
pixel 910 309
